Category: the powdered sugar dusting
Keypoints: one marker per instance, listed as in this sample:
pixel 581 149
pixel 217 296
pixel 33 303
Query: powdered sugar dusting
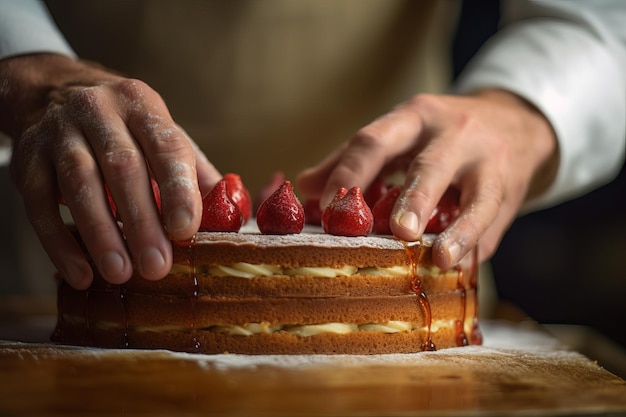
pixel 310 236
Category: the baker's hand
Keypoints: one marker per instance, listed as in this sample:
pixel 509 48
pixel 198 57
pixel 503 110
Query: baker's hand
pixel 76 128
pixel 493 146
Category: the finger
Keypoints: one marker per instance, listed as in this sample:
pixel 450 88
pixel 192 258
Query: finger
pixel 430 173
pixel 81 186
pixel 311 181
pixel 125 172
pixel 208 175
pixel 481 201
pixel 506 215
pixel 40 193
pixel 372 148
pixel 171 158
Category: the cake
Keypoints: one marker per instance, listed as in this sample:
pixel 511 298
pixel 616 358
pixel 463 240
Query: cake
pixel 299 292
pixel 304 293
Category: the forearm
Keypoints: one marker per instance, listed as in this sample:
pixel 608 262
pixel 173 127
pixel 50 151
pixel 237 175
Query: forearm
pixel 30 83
pixel 570 65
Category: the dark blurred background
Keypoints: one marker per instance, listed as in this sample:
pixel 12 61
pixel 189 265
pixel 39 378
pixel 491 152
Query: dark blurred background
pixel 565 264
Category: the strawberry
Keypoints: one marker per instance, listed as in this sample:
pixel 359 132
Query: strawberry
pixel 281 213
pixel 277 179
pixel 382 211
pixel 375 192
pixel 336 199
pixel 219 212
pixel 111 203
pixel 239 194
pixel 157 193
pixel 348 214
pixel 312 212
pixel 447 211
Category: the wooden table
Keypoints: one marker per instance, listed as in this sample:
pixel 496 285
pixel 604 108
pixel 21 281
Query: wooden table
pixel 519 371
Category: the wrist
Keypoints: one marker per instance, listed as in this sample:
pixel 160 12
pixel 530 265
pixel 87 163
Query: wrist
pixel 29 83
pixel 538 133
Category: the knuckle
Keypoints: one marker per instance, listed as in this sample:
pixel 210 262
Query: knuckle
pixel 344 175
pixel 133 89
pixel 368 137
pixel 160 135
pixel 491 194
pixel 165 139
pixel 73 170
pixel 433 157
pixel 425 102
pixel 85 100
pixel 96 228
pixel 123 162
pixel 417 195
pixel 139 224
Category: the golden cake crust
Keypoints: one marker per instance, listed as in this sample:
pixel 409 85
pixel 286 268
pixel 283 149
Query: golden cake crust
pixel 195 310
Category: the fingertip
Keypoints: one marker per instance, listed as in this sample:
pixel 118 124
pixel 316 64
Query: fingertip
pixel 453 253
pixel 405 225
pixel 447 252
pixel 179 224
pixel 114 268
pixel 78 275
pixel 154 263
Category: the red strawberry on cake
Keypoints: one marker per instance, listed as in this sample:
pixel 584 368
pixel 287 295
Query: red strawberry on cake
pixel 446 212
pixel 281 213
pixel 348 214
pixel 219 211
pixel 239 195
pixel 382 211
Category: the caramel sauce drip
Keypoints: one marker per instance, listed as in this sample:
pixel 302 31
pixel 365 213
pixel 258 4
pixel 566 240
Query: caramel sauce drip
pixel 125 341
pixel 461 337
pixel 416 287
pixel 476 337
pixel 88 336
pixel 194 291
pixel 57 334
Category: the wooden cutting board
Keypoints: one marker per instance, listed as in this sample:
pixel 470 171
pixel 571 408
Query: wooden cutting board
pixel 519 371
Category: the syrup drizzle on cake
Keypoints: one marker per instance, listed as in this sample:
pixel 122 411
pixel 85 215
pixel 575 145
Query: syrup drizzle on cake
pixel 95 323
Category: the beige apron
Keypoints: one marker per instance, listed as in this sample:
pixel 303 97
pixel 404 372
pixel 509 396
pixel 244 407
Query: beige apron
pixel 273 84
pixel 261 85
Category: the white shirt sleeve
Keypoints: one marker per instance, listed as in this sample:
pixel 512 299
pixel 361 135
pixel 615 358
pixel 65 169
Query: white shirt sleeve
pixel 568 58
pixel 26 27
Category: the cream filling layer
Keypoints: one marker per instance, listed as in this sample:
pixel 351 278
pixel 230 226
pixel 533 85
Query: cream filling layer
pixel 251 329
pixel 247 270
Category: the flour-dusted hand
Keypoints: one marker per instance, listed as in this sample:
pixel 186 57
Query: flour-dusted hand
pixel 76 128
pixel 493 146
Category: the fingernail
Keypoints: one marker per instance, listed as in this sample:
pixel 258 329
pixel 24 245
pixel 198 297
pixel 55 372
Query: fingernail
pixel 150 260
pixel 111 264
pixel 454 250
pixel 408 221
pixel 179 220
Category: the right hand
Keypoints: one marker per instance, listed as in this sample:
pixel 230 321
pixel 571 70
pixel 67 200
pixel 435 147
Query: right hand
pixel 76 128
pixel 493 146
